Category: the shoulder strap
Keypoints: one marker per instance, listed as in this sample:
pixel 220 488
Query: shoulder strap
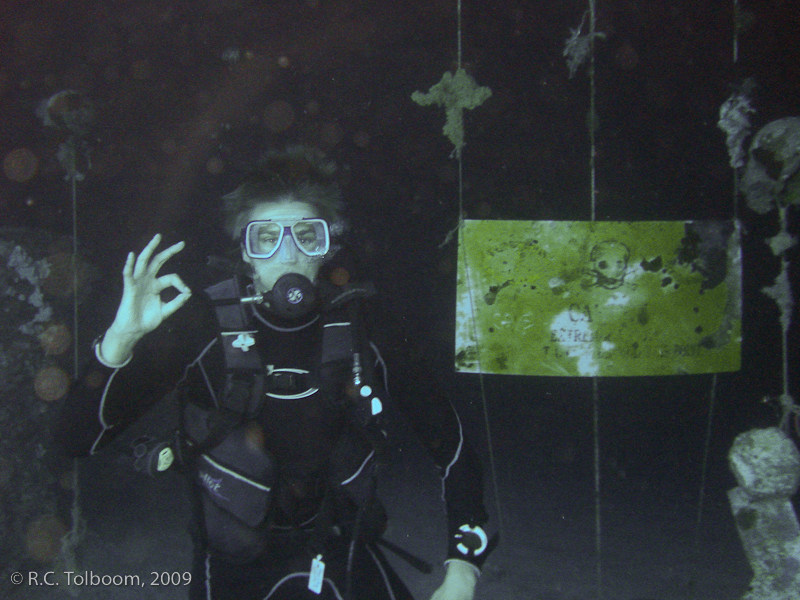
pixel 242 397
pixel 243 367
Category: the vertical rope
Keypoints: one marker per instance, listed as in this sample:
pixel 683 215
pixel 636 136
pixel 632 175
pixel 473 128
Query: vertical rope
pixel 484 403
pixel 595 395
pixel 703 474
pixel 73 537
pixel 74 185
pixel 592 111
pixel 785 318
pixel 783 298
pixel 785 340
pixel 713 392
pixel 735 31
pixel 598 546
pixel 481 383
pixel 458 23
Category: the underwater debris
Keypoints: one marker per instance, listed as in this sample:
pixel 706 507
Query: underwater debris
pixel 68 155
pixel 18 268
pixel 772 174
pixel 455 92
pixel 69 110
pixel 577 47
pixel 231 55
pixel 781 242
pixel 735 122
pixel 781 293
pixel 766 465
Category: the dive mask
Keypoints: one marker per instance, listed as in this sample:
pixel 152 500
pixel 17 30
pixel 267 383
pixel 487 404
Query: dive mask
pixel 262 239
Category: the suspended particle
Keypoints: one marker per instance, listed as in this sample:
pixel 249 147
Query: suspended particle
pixel 330 135
pixel 94 380
pixel 6 471
pixel 43 538
pixel 339 276
pixel 60 280
pixel 215 165
pixel 169 146
pixel 361 139
pixel 67 480
pixel 55 339
pixel 51 383
pixel 312 108
pixel 279 116
pixel 231 55
pixel 254 437
pixel 20 165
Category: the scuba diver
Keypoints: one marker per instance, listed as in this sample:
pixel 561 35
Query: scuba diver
pixel 285 416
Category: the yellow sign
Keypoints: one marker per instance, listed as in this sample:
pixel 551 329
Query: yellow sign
pixel 587 299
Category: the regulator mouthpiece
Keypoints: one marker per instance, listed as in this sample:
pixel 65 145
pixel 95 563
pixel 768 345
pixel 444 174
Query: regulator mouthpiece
pixel 293 296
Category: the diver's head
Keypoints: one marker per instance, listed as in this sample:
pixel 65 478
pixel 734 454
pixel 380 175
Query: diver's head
pixel 284 216
pixel 284 237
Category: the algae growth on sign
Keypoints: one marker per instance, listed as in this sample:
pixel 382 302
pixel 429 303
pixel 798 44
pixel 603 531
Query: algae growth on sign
pixel 566 298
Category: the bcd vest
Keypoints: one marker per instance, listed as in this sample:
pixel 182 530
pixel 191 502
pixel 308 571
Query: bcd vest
pixel 235 473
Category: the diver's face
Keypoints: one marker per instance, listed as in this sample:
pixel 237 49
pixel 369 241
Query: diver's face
pixel 288 259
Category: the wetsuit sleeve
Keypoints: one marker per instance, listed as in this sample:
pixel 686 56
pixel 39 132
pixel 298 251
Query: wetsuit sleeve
pixel 104 401
pixel 436 423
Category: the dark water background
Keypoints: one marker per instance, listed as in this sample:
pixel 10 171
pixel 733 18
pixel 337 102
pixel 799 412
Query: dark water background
pixel 175 126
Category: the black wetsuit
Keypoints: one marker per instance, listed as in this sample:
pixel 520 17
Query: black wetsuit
pixel 319 458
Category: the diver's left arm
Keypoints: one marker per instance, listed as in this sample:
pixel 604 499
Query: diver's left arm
pixel 434 418
pixel 437 424
pixel 462 482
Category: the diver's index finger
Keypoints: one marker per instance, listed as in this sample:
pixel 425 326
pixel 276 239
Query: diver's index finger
pixel 181 286
pixel 174 304
pixel 172 280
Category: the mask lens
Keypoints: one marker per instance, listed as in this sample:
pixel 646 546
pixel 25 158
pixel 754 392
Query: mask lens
pixel 263 238
pixel 311 236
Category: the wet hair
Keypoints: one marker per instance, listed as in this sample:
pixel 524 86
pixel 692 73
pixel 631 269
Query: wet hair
pixel 298 174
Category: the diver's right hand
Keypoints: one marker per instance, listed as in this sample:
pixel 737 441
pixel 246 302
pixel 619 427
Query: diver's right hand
pixel 142 309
